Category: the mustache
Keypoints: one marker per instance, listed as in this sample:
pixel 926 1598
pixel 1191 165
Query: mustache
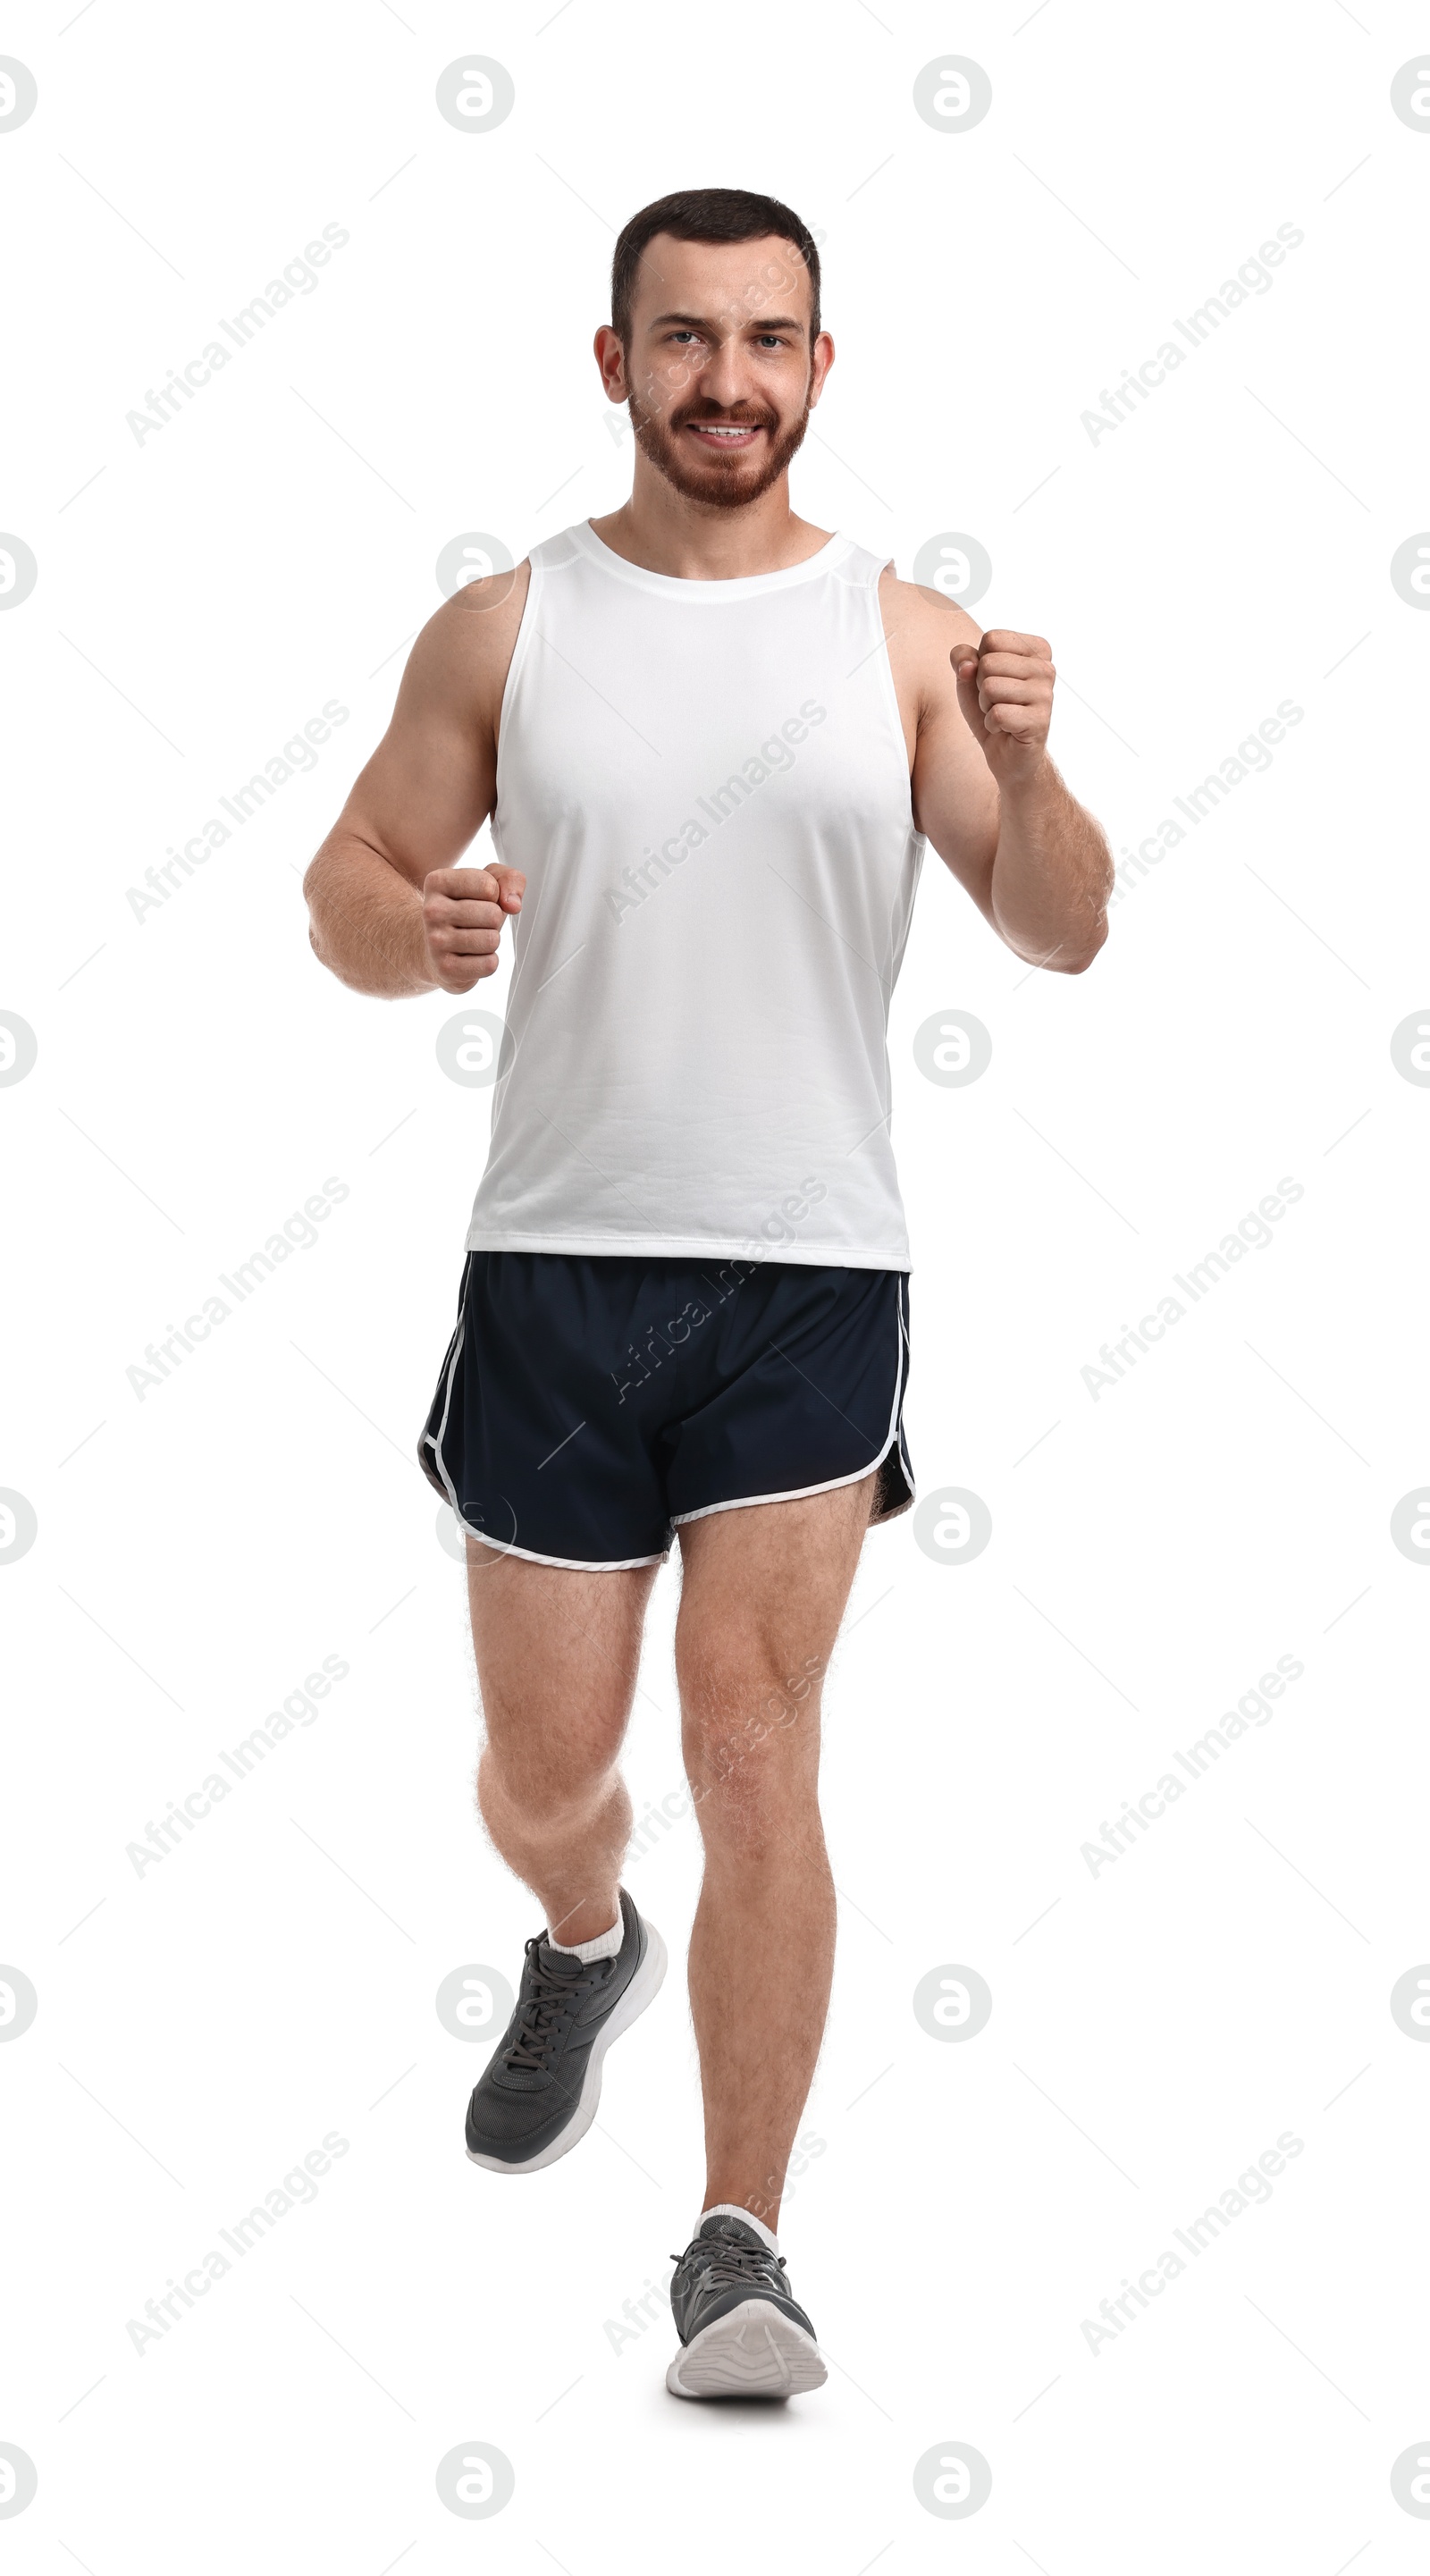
pixel 738 416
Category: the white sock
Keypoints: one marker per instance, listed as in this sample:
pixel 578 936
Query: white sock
pixel 604 1946
pixel 727 2209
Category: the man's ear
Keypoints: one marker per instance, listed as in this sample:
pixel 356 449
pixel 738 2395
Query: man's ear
pixel 820 366
pixel 611 360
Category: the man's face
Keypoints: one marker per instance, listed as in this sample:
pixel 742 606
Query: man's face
pixel 719 372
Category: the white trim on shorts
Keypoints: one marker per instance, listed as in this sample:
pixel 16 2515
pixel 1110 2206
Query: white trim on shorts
pixel 427 1440
pixel 905 1462
pixel 573 1564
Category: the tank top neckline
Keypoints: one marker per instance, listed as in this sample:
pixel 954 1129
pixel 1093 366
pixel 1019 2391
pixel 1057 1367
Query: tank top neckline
pixel 674 585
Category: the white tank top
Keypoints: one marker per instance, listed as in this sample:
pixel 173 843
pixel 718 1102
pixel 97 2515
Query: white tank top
pixel 707 785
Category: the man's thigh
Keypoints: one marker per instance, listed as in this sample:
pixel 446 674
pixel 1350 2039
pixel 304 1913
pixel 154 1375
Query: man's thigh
pixel 557 1653
pixel 763 1591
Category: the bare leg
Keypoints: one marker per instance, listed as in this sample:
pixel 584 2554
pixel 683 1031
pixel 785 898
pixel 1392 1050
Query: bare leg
pixel 763 1593
pixel 557 1653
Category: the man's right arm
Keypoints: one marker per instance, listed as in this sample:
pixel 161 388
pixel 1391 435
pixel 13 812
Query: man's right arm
pixel 390 912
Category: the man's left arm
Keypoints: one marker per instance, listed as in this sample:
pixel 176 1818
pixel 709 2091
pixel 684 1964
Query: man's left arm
pixel 991 800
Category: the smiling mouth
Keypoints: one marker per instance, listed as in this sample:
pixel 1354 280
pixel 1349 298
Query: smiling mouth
pixel 726 434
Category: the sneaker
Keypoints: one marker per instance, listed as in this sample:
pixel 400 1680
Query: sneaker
pixel 543 2080
pixel 741 2334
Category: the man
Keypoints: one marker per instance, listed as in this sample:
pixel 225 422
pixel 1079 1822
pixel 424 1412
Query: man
pixel 711 740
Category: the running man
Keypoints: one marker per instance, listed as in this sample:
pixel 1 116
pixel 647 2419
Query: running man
pixel 711 740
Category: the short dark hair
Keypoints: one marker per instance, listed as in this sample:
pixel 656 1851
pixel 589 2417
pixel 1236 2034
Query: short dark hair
pixel 708 215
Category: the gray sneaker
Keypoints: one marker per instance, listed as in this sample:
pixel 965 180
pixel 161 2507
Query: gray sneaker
pixel 741 2333
pixel 543 2079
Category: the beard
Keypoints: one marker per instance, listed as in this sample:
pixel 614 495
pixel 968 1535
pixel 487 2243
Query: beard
pixel 720 482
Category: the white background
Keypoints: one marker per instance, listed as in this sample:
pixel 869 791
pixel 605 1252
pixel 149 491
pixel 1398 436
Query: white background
pixel 1228 1502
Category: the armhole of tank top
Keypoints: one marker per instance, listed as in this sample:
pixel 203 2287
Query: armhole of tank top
pixel 891 694
pixel 513 672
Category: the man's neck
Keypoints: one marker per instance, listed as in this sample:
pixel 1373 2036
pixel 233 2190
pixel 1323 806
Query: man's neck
pixel 662 531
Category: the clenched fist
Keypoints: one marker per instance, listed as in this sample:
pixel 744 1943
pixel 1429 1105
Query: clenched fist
pixel 462 913
pixel 1005 689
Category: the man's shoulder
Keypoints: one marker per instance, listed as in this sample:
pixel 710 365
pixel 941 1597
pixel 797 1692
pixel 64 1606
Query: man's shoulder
pixel 924 614
pixel 464 651
pixel 482 610
pixel 923 631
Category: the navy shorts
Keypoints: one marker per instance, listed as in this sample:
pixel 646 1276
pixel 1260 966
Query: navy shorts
pixel 589 1404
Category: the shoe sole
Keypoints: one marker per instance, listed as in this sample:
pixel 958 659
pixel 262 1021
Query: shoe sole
pixel 644 1986
pixel 752 2351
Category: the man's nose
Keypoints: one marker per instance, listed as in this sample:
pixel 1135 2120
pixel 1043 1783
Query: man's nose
pixel 724 379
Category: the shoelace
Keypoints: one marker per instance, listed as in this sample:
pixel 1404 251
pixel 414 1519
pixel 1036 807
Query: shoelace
pixel 542 2011
pixel 726 2266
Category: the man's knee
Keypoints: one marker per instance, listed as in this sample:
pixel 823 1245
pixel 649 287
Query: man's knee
pixel 547 1787
pixel 722 1678
pixel 750 1738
